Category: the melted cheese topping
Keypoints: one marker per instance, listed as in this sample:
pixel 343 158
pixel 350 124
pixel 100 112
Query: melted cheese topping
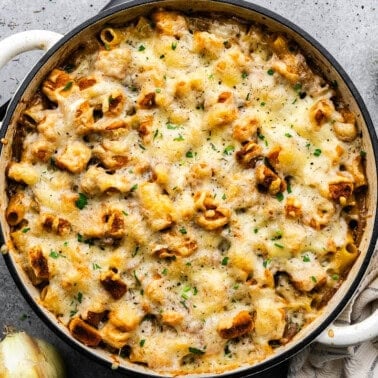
pixel 184 196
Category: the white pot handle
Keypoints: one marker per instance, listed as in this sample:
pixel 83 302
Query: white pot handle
pixel 26 41
pixel 342 336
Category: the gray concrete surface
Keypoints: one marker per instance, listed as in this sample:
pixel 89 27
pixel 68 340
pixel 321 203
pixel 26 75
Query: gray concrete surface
pixel 347 28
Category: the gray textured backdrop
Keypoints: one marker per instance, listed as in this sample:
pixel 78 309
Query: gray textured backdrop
pixel 347 28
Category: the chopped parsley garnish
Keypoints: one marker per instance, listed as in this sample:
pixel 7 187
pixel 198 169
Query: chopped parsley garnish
pixel 184 304
pixel 288 135
pixel 180 138
pixel 142 342
pixel 170 126
pixel 226 44
pixel 141 146
pixel 162 56
pixel 55 255
pixel 313 278
pixel 141 48
pixel 262 103
pixel 277 235
pixel 183 230
pixel 289 188
pixel 156 133
pixel 224 196
pixel 164 272
pixel 189 154
pixel 317 152
pixel 280 196
pixel 136 250
pixel 335 277
pixel 294 101
pixel 228 150
pixel 68 86
pixel 107 47
pixel 213 147
pixel 244 75
pixel 196 351
pixel 96 266
pixel 306 258
pixel 79 297
pixel 308 145
pixel 158 90
pixel 266 262
pixel 270 71
pixel 363 154
pixel 255 230
pixel 297 87
pixel 174 45
pixel 224 261
pixel 195 291
pixel 69 68
pixel 184 296
pixel 248 96
pixel 65 243
pixel 82 201
pixel 25 230
pixel 136 278
pixel 80 238
pixel 125 213
pixel 134 187
pixel 279 245
pixel 72 313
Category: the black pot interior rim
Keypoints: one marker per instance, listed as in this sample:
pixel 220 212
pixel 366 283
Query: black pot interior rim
pixel 275 360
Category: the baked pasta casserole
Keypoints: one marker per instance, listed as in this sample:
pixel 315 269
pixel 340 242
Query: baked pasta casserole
pixel 187 192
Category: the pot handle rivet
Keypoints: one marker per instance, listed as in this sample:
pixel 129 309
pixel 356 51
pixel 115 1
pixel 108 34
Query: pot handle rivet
pixel 342 336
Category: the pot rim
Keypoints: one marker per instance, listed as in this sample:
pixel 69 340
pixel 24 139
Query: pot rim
pixel 243 4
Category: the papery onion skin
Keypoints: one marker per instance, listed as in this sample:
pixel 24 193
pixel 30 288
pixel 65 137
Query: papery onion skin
pixel 22 356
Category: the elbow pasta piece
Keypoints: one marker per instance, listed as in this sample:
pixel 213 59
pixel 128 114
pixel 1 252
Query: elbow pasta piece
pixel 23 172
pixel 269 180
pixel 321 112
pixel 111 37
pixel 114 63
pixel 83 332
pixel 237 326
pixel 96 181
pixel 158 207
pixel 39 266
pixel 58 83
pixel 74 157
pixel 113 284
pixel 245 129
pixel 16 209
pixel 170 23
pixel 52 223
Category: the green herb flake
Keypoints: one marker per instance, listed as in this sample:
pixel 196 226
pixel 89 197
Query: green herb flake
pixel 297 87
pixel 294 101
pixel 72 313
pixel 335 277
pixel 224 196
pixel 135 252
pixel 288 135
pixel 363 154
pixel 270 71
pixel 82 201
pixel 162 56
pixel 164 272
pixel 69 68
pixel 224 261
pixel 107 46
pixel 279 245
pixel 53 254
pixel 180 138
pixel 68 86
pixel 25 230
pixel 141 48
pixel 308 145
pixel 156 133
pixel 158 90
pixel 189 154
pixel 317 152
pixel 236 286
pixel 65 243
pixel 134 187
pixel 125 213
pixel 313 278
pixel 262 103
pixel 79 297
pixel 136 278
pixel 184 304
pixel 170 126
pixel 280 196
pixel 277 235
pixel 184 296
pixel 183 230
pixel 142 342
pixel 228 150
pixel 255 230
pixel 226 44
pixel 195 291
pixel 289 190
pixel 244 75
pixel 196 351
pixel 188 263
pixel 80 238
pixel 248 96
pixel 174 46
pixel 306 258
pixel 96 266
pixel 266 262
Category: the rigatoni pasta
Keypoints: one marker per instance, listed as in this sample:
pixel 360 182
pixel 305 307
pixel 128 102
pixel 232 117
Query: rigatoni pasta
pixel 189 194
